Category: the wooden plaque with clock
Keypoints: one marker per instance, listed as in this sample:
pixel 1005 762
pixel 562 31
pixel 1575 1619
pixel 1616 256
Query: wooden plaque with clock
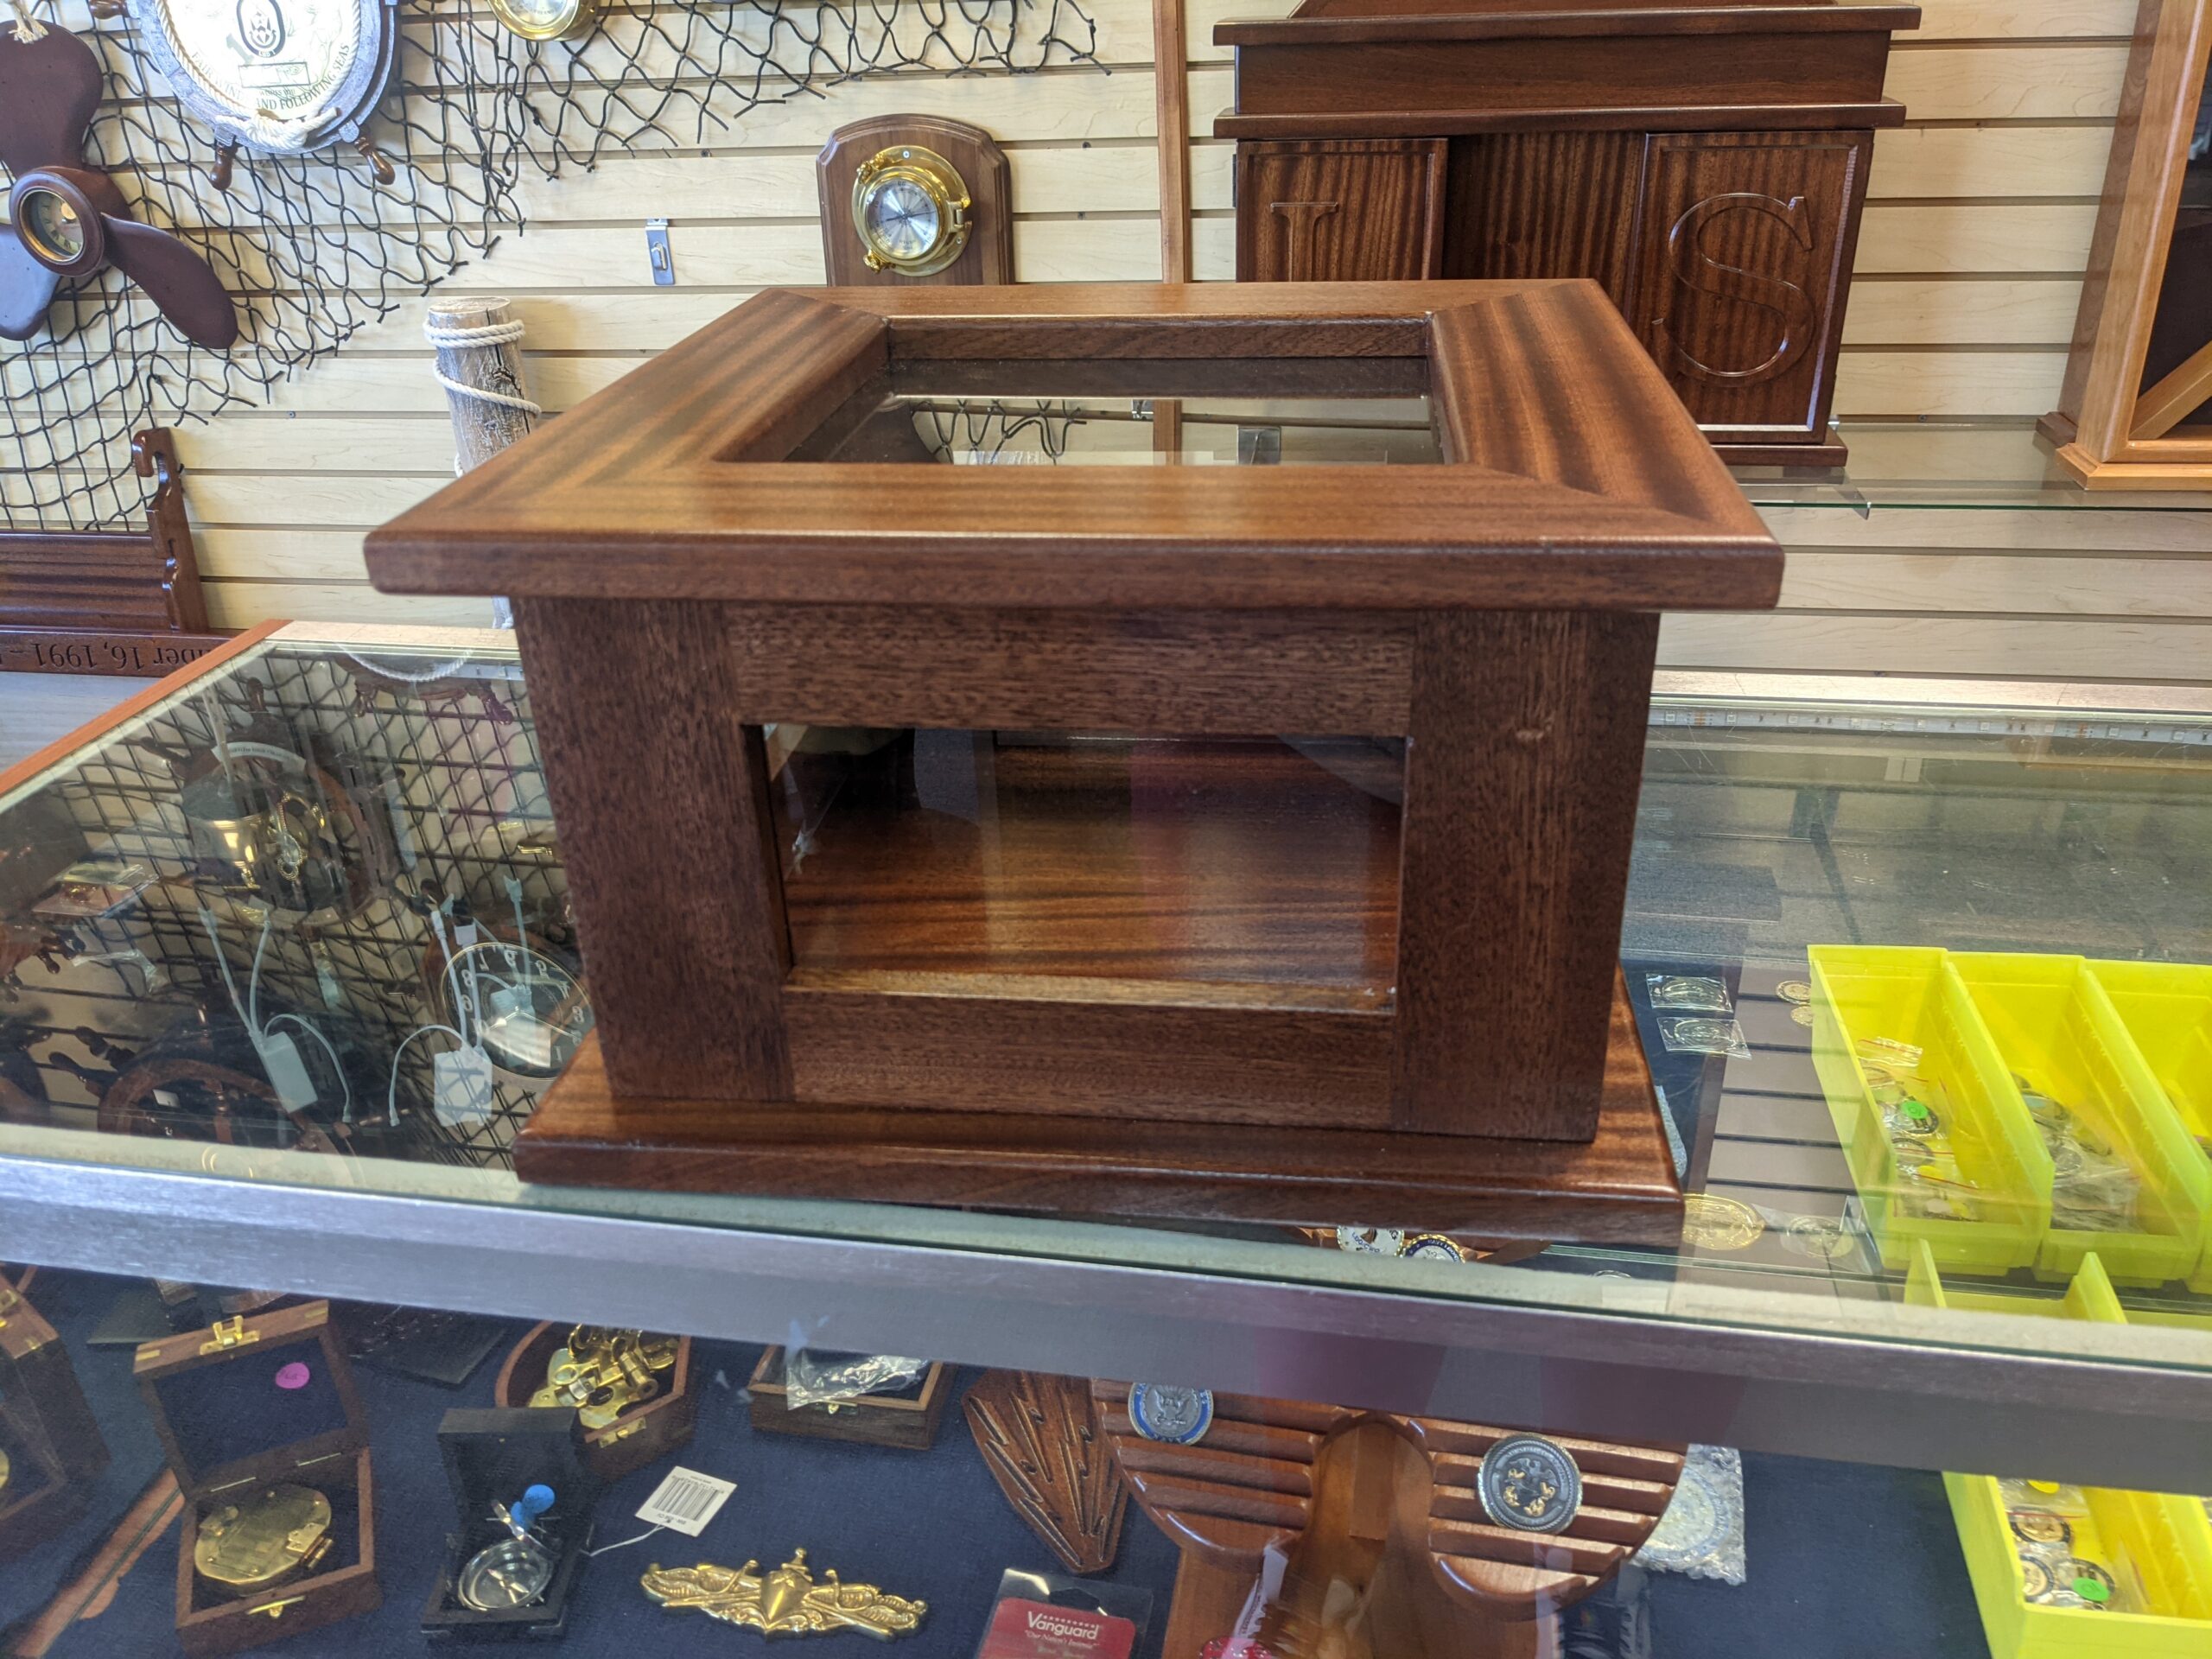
pixel 910 199
pixel 1050 807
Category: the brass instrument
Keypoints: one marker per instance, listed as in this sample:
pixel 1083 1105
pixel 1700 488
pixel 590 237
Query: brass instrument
pixel 604 1371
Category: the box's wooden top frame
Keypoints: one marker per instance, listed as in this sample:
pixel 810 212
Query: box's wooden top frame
pixel 1574 479
pixel 264 1333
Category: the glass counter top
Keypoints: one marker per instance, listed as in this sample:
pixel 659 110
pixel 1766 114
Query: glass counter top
pixel 245 929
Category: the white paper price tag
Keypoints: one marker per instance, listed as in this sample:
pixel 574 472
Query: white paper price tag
pixel 460 1087
pixel 686 1501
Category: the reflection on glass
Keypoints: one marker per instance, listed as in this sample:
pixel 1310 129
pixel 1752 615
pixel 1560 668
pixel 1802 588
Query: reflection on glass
pixel 1286 412
pixel 1860 829
pixel 1227 860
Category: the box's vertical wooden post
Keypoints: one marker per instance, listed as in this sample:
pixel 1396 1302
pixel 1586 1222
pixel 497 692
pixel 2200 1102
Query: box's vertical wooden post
pixel 1522 771
pixel 662 798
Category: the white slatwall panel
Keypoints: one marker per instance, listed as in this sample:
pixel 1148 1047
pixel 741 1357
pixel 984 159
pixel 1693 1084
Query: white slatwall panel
pixel 1975 235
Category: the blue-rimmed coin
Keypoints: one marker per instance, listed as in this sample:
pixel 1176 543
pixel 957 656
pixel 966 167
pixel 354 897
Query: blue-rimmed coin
pixel 1530 1483
pixel 1162 1411
pixel 1432 1247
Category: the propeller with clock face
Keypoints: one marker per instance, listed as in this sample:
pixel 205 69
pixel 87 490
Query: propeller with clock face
pixel 66 220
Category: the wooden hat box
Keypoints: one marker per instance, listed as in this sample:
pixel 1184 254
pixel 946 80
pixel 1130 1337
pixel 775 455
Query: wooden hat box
pixel 230 1427
pixel 1075 938
pixel 906 1421
pixel 46 1431
pixel 643 1435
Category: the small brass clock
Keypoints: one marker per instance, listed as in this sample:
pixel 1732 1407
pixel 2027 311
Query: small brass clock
pixel 547 20
pixel 910 206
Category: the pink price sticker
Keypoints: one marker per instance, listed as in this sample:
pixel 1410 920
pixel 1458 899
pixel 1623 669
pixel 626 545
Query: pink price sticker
pixel 294 1376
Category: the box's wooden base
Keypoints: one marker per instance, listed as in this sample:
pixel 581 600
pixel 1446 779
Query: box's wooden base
pixel 2095 474
pixel 1830 453
pixel 1618 1188
pixel 905 1425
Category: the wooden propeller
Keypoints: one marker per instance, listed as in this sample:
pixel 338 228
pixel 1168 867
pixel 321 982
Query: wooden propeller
pixel 66 220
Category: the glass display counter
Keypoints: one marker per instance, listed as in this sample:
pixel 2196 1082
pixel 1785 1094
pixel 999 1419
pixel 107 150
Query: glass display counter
pixel 1917 969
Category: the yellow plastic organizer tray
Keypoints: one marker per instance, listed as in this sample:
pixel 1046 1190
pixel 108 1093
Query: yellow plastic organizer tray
pixel 1869 994
pixel 2167 1008
pixel 2156 1548
pixel 2057 1027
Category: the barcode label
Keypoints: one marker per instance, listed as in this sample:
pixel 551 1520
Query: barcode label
pixel 686 1501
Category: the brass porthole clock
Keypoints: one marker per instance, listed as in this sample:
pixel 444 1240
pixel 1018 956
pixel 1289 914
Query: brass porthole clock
pixel 547 20
pixel 910 206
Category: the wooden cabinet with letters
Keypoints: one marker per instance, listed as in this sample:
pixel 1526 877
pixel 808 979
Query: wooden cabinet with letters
pixel 1705 165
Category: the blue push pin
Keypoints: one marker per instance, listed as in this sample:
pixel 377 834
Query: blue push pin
pixel 516 1517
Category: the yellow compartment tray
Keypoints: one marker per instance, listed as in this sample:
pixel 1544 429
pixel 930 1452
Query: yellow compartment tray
pixel 2059 1032
pixel 2167 1008
pixel 1992 1218
pixel 2155 1546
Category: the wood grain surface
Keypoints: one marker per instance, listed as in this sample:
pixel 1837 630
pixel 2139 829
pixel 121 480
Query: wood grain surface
pixel 1165 671
pixel 1620 1187
pixel 619 499
pixel 1522 775
pixel 1229 861
pixel 686 992
pixel 1270 1471
pixel 1039 1436
pixel 1319 208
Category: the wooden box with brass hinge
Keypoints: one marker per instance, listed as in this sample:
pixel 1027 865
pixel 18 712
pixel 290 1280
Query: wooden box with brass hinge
pixel 907 1420
pixel 643 1433
pixel 50 1447
pixel 259 1418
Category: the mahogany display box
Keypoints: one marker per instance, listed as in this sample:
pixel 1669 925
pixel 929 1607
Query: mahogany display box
pixel 1114 831
pixel 257 1404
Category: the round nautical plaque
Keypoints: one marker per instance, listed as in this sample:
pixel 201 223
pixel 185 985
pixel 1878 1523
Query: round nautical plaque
pixel 278 77
pixel 1530 1483
pixel 1179 1416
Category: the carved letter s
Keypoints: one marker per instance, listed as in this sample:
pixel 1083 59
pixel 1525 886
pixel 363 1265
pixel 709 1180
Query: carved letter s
pixel 1695 269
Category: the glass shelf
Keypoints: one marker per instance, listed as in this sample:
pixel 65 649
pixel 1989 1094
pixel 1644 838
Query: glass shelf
pixel 1020 415
pixel 183 1037
pixel 1987 464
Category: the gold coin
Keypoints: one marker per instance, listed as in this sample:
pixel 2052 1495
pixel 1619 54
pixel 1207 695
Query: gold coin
pixel 2039 1526
pixel 1794 990
pixel 1719 1223
pixel 1801 1015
